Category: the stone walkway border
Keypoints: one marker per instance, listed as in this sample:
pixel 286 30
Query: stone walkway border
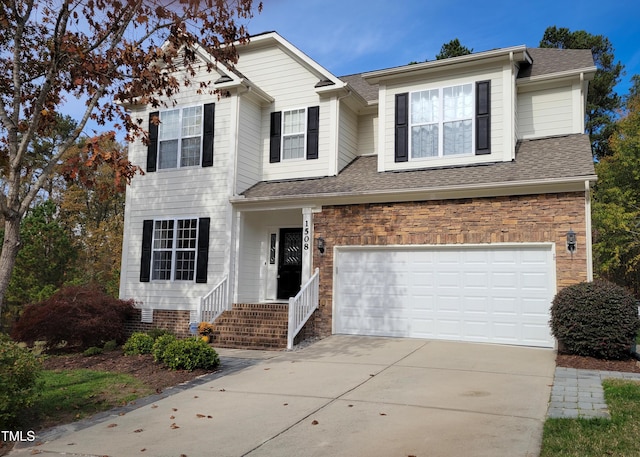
pixel 578 393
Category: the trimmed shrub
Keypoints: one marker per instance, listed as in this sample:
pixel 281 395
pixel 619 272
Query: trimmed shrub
pixel 138 343
pixel 597 319
pixel 160 346
pixel 93 350
pixel 110 346
pixel 189 354
pixel 19 371
pixel 156 333
pixel 81 317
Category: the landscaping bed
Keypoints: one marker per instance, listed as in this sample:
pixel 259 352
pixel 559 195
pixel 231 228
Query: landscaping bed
pixel 590 363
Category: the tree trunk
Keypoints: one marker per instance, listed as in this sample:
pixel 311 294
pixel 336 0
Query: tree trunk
pixel 10 248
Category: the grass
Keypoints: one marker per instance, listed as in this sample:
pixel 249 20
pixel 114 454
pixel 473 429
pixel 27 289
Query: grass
pixel 599 437
pixel 71 395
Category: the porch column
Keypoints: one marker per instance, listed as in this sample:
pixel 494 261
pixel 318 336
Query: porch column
pixel 307 244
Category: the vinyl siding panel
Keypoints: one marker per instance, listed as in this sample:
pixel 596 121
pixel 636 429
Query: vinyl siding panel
pixel 292 86
pixel 367 134
pixel 348 146
pixel 179 193
pixel 249 145
pixel 446 79
pixel 545 112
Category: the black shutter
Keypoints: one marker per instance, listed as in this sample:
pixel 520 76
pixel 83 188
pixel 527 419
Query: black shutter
pixel 402 128
pixel 483 117
pixel 274 146
pixel 202 259
pixel 152 147
pixel 207 135
pixel 145 260
pixel 313 120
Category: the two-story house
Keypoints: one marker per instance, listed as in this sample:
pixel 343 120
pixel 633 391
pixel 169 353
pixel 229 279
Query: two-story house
pixel 447 199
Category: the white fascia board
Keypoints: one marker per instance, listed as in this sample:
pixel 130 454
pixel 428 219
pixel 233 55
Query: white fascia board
pixel 586 74
pixel 438 193
pixel 518 52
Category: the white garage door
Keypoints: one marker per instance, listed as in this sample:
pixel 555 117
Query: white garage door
pixel 484 294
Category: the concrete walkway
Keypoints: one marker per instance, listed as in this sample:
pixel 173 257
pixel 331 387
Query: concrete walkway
pixel 579 393
pixel 342 396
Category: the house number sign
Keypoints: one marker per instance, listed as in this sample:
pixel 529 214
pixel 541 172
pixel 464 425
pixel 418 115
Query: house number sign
pixel 305 239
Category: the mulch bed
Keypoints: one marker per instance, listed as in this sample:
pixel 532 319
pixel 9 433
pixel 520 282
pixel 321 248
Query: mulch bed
pixel 589 363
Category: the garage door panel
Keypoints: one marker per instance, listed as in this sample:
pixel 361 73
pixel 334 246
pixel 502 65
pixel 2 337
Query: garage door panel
pixel 493 294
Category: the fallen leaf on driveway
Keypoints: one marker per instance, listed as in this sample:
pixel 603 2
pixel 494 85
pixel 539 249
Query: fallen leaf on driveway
pixel 138 430
pixel 200 416
pixel 315 422
pixel 172 417
pixel 112 425
pixel 383 414
pixel 174 426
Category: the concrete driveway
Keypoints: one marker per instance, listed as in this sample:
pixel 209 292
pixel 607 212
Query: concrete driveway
pixel 342 396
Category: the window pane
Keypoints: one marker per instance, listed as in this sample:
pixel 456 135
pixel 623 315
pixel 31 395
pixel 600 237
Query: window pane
pixel 191 121
pixel 168 154
pixel 458 102
pixel 424 141
pixel 293 147
pixel 185 265
pixel 294 122
pixel 457 137
pixel 161 265
pixel 163 235
pixel 190 153
pixel 187 234
pixel 169 124
pixel 425 107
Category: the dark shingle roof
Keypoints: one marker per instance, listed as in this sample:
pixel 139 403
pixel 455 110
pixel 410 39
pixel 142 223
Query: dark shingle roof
pixel 552 60
pixel 555 158
pixel 368 91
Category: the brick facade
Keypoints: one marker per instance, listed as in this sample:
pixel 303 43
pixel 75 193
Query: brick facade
pixel 514 219
pixel 172 320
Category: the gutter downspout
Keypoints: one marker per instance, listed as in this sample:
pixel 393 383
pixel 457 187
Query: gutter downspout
pixel 588 237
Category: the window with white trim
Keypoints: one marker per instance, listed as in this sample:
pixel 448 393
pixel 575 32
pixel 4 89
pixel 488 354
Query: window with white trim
pixel 441 122
pixel 180 137
pixel 174 249
pixel 294 127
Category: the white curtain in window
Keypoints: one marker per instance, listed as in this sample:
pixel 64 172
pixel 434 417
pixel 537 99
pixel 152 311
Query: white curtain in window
pixel 169 124
pixel 457 137
pixel 425 107
pixel 458 102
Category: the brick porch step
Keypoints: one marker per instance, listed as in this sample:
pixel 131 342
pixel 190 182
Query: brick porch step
pixel 252 326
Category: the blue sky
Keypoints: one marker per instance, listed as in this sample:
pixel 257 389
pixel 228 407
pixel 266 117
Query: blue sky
pixel 353 36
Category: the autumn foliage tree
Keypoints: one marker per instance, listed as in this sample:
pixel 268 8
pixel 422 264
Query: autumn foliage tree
pixel 107 53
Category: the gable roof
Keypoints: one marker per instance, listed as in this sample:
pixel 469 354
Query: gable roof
pixel 554 160
pixel 551 60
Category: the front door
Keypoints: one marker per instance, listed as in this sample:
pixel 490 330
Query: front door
pixel 289 263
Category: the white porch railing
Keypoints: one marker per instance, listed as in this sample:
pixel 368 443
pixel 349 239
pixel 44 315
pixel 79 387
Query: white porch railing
pixel 214 303
pixel 302 306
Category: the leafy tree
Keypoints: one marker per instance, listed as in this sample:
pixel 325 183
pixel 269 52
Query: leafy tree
pixel 616 208
pixel 602 100
pixel 106 53
pixel 45 261
pixel 453 49
pixel 634 90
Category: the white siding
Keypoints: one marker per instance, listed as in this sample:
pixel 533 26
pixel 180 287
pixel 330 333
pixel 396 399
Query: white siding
pixel 249 145
pixel 545 112
pixel 190 193
pixel 348 146
pixel 387 118
pixel 367 134
pixel 292 85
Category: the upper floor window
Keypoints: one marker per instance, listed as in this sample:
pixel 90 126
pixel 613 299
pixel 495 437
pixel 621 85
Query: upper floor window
pixel 181 137
pixel 294 134
pixel 443 122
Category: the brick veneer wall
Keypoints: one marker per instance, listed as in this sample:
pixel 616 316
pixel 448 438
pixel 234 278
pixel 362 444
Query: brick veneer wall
pixel 173 320
pixel 531 218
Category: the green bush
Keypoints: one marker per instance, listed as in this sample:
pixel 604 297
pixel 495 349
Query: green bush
pixel 110 346
pixel 160 346
pixel 138 343
pixel 189 354
pixel 19 371
pixel 597 319
pixel 156 333
pixel 93 350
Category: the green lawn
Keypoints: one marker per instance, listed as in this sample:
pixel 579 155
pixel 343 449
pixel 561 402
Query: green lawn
pixel 74 394
pixel 619 437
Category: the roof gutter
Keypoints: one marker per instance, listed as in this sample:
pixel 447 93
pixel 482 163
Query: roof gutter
pixel 427 193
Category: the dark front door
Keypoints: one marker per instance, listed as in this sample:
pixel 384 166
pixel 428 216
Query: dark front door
pixel 289 263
